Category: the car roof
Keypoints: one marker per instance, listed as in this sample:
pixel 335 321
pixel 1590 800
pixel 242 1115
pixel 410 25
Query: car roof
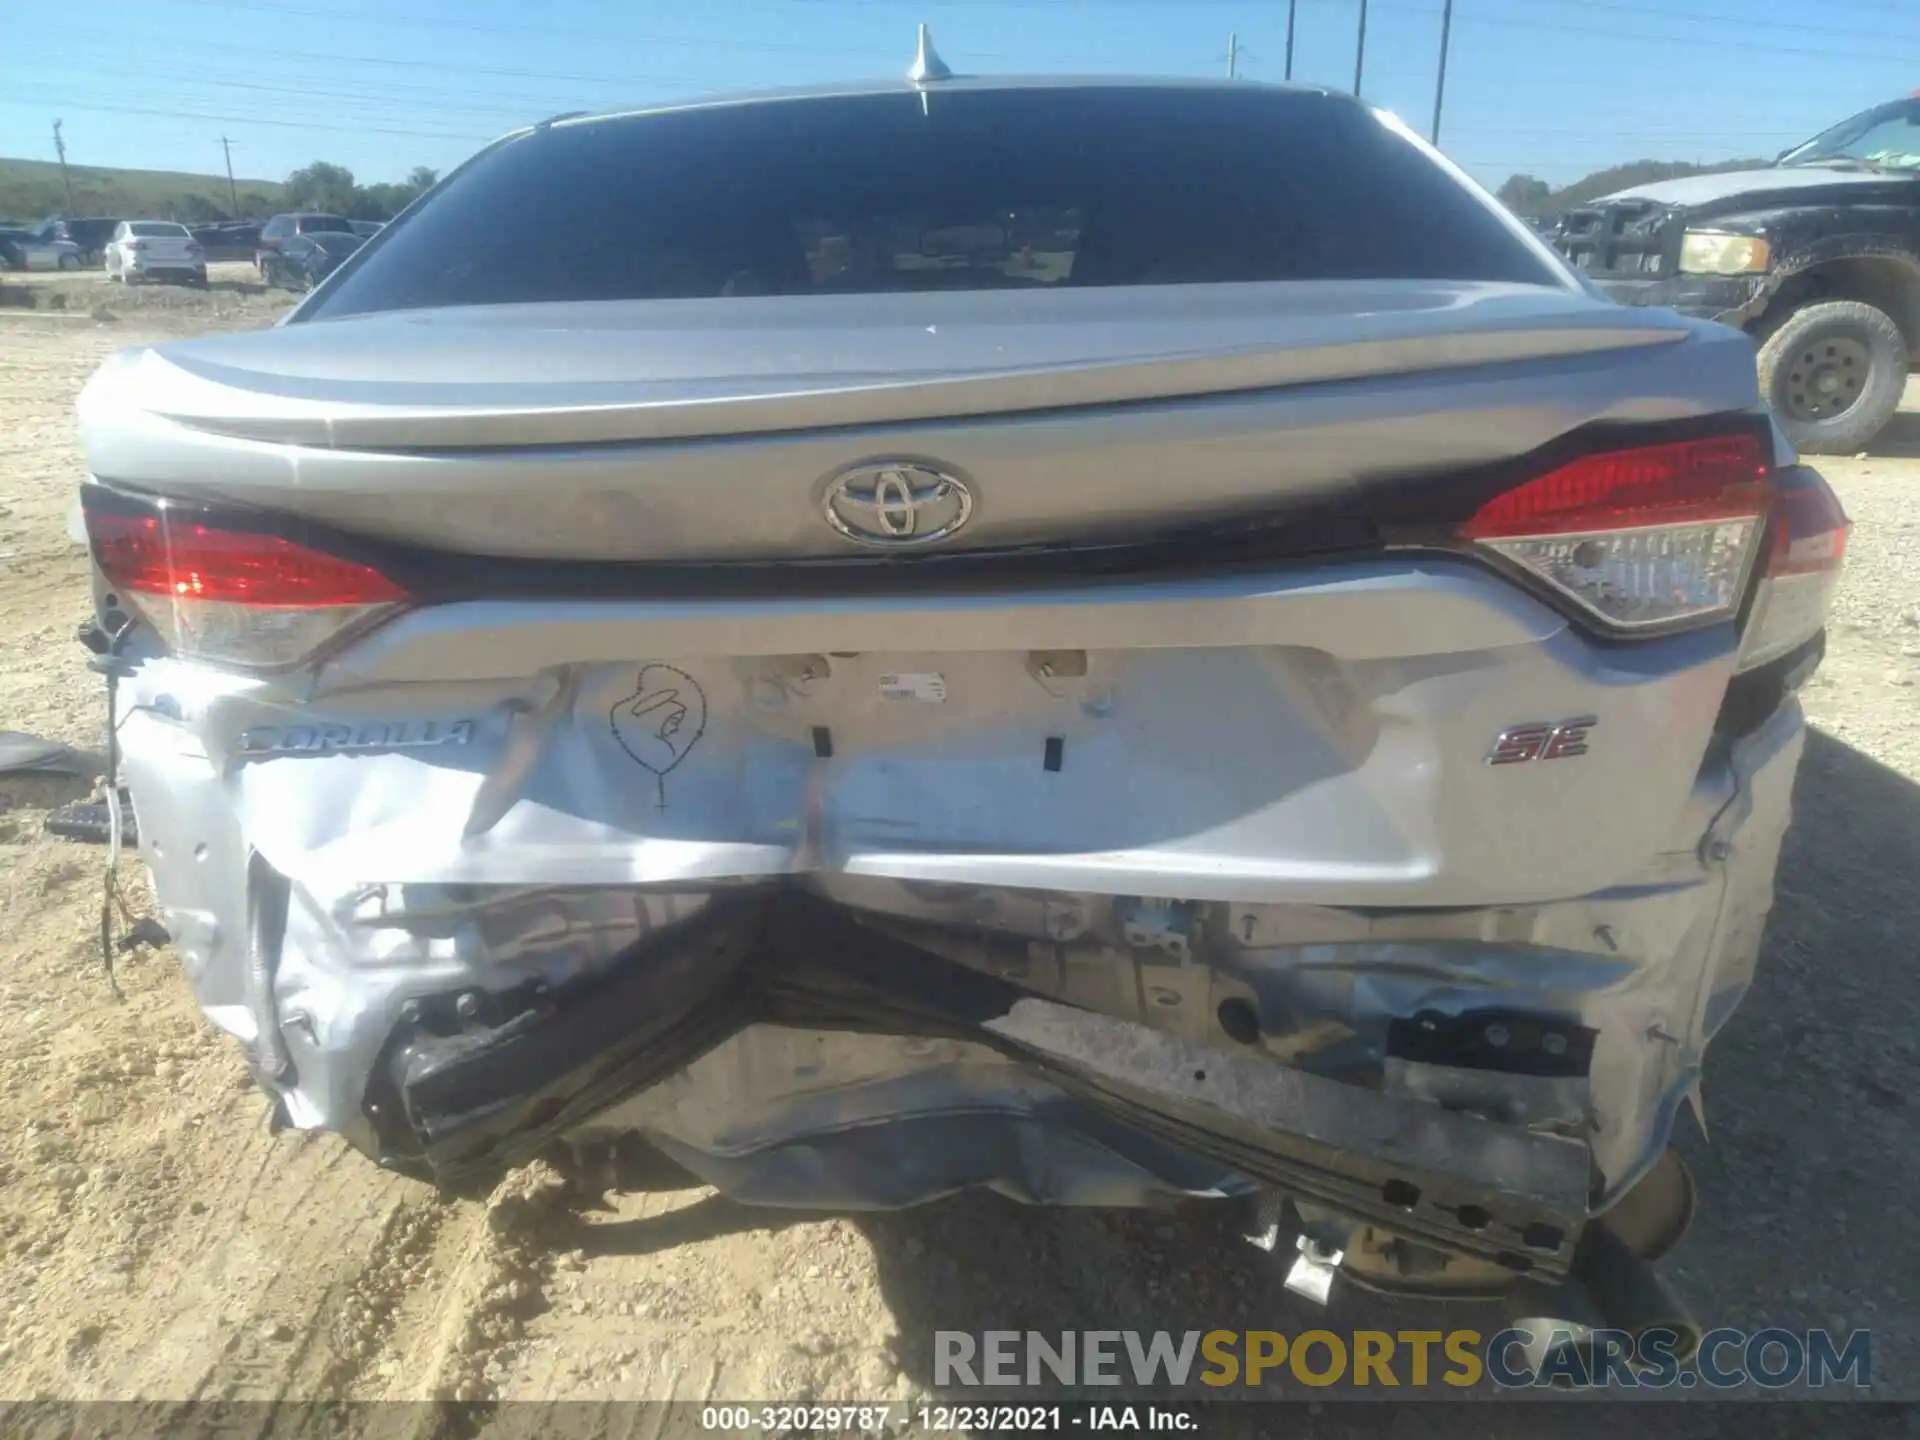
pixel 971 84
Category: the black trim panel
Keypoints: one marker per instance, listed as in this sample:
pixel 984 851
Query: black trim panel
pixel 1406 513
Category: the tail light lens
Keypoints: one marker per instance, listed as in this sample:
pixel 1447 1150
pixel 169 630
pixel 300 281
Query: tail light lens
pixel 194 248
pixel 1807 547
pixel 1650 537
pixel 232 596
pixel 136 244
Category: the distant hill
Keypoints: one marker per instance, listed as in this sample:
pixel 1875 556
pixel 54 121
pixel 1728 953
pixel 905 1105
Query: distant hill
pixel 1527 196
pixel 31 190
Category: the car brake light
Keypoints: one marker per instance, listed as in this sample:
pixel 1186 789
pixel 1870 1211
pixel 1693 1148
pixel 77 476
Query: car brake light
pixel 136 244
pixel 193 247
pixel 234 597
pixel 1802 569
pixel 1648 537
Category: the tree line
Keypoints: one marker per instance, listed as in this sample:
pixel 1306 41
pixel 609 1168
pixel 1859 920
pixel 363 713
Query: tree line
pixel 332 188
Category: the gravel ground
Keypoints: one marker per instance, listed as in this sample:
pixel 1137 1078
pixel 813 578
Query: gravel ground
pixel 164 1245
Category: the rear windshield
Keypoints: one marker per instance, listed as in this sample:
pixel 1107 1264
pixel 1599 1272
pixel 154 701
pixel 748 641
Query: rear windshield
pixel 975 190
pixel 158 228
pixel 324 224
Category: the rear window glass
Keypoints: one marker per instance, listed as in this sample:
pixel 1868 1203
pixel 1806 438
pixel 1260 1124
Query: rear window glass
pixel 310 224
pixel 158 228
pixel 980 189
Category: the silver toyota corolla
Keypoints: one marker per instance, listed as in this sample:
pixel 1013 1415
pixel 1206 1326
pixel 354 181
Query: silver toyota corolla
pixel 1110 640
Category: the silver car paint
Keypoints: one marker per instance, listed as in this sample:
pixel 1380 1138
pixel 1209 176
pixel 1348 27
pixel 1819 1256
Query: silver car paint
pixel 37 253
pixel 608 431
pixel 1285 780
pixel 1293 762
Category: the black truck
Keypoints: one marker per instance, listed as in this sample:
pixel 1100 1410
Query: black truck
pixel 1817 256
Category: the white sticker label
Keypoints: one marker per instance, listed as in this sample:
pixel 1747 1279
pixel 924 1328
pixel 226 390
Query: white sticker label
pixel 925 686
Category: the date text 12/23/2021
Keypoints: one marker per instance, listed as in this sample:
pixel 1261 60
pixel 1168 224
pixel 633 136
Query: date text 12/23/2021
pixel 943 1419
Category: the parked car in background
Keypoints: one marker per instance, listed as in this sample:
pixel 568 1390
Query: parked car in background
pixel 749 681
pixel 1816 256
pixel 303 261
pixel 282 228
pixel 366 229
pixel 229 240
pixel 90 233
pixel 155 250
pixel 25 250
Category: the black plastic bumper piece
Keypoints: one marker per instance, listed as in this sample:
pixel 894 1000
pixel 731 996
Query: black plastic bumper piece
pixel 486 1097
pixel 1732 299
pixel 479 1097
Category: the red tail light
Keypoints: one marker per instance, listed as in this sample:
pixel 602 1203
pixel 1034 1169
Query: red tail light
pixel 1809 544
pixel 136 244
pixel 233 596
pixel 1652 536
pixel 1809 529
pixel 150 556
pixel 1650 485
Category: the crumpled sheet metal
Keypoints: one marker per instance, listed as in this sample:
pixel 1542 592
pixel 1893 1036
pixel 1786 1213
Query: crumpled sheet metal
pixel 1236 774
pixel 780 1115
pixel 328 821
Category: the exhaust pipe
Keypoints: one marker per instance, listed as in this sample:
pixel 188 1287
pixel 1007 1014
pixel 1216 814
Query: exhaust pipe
pixel 1611 1289
pixel 1629 1293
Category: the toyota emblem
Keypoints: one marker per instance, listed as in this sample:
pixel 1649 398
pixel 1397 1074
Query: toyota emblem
pixel 896 504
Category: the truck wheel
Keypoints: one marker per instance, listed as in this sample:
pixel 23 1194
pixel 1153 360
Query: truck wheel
pixel 1834 373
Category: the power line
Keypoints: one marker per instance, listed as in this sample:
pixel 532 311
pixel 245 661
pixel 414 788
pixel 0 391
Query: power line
pixel 1683 17
pixel 1558 28
pixel 148 43
pixel 231 119
pixel 450 68
pixel 340 99
pixel 440 23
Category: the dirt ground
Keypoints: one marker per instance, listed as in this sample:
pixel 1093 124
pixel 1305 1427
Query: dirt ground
pixel 161 1244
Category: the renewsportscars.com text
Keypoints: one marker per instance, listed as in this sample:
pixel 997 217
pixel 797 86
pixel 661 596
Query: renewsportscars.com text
pixel 1413 1359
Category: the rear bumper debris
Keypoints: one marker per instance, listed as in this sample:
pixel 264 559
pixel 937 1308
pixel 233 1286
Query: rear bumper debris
pixel 1478 1080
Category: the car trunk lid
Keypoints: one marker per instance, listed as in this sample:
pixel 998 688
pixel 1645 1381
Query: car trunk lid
pixel 703 430
pixel 168 249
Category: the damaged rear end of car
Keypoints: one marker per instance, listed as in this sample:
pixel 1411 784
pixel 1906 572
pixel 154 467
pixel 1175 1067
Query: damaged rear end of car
pixel 1013 693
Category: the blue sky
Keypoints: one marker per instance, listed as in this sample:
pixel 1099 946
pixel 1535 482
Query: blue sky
pixel 1553 87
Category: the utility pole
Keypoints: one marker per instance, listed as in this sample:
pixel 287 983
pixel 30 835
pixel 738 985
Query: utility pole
pixel 1291 6
pixel 1360 49
pixel 1440 84
pixel 1233 55
pixel 233 194
pixel 60 149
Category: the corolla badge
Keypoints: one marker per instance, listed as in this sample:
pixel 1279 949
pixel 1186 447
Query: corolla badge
pixel 896 504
